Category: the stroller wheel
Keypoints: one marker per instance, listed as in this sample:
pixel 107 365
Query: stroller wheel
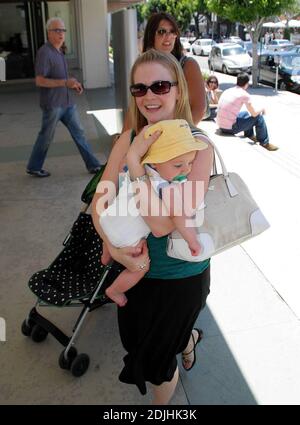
pixel 80 365
pixel 38 334
pixel 66 363
pixel 26 327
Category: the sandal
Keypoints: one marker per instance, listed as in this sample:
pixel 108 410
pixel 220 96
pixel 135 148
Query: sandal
pixel 185 355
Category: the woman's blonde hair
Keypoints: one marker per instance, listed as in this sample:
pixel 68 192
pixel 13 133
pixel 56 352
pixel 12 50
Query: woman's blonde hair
pixel 182 109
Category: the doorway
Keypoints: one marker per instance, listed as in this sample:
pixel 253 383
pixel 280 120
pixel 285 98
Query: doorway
pixel 22 32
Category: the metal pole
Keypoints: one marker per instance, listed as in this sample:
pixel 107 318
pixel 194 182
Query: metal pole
pixel 276 79
pixel 276 60
pixel 212 42
pixel 213 20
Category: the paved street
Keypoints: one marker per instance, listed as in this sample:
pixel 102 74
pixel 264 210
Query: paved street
pixel 250 351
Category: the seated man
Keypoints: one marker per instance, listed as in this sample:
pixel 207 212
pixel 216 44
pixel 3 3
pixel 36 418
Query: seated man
pixel 232 121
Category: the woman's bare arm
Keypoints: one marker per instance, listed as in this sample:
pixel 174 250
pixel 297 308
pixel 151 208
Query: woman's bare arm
pixel 196 87
pixel 130 257
pixel 127 125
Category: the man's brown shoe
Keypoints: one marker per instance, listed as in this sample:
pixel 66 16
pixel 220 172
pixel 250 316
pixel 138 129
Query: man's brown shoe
pixel 254 139
pixel 270 147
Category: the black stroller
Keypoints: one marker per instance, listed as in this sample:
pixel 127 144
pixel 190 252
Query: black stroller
pixel 75 278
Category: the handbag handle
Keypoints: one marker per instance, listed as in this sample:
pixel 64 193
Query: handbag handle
pixel 231 188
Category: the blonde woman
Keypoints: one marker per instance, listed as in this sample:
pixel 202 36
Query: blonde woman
pixel 158 320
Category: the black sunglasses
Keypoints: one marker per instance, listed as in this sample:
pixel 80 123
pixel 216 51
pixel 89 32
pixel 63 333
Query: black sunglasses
pixel 162 32
pixel 158 87
pixel 58 30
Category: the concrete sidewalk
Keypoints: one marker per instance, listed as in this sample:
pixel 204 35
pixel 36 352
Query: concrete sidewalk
pixel 250 352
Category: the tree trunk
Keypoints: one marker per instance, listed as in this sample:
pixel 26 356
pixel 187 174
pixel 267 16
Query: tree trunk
pixel 256 27
pixel 255 60
pixel 196 19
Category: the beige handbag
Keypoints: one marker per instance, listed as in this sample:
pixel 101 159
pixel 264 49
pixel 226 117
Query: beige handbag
pixel 228 217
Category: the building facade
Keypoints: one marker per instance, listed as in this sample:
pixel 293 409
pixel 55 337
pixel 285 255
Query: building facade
pixel 23 31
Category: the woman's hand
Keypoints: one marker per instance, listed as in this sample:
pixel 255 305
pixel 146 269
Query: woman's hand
pixel 133 258
pixel 140 145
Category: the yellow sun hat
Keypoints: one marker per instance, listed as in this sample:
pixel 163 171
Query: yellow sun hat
pixel 176 139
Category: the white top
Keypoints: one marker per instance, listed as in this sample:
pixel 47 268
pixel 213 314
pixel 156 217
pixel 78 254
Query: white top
pixel 121 221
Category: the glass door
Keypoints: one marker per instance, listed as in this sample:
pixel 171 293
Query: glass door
pixel 35 15
pixel 22 32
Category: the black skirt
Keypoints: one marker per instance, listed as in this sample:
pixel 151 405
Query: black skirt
pixel 156 324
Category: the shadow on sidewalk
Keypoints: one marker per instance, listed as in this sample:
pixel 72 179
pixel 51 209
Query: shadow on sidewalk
pixel 216 378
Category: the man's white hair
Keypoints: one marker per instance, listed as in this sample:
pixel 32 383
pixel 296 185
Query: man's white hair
pixel 51 20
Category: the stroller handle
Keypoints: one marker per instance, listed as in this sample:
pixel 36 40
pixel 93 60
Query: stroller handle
pixel 90 189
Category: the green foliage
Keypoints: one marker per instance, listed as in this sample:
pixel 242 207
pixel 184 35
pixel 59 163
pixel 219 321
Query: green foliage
pixel 205 75
pixel 199 6
pixel 140 12
pixel 247 11
pixel 199 9
pixel 287 33
pixel 181 10
pixel 252 14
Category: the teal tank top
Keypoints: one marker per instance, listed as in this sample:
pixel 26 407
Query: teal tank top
pixel 164 267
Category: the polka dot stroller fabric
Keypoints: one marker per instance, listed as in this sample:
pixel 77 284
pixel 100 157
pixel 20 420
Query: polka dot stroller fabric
pixel 77 270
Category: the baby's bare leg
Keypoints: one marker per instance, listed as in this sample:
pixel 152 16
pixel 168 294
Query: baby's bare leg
pixel 121 284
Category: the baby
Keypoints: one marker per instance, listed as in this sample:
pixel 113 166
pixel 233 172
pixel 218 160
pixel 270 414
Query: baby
pixel 167 163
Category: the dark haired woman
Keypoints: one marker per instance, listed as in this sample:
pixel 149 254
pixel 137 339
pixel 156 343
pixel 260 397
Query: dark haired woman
pixel 162 33
pixel 213 94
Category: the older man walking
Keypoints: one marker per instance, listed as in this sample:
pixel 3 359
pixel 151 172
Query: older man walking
pixel 56 101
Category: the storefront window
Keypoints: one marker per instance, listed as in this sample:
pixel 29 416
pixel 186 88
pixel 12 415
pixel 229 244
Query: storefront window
pixel 62 9
pixel 14 43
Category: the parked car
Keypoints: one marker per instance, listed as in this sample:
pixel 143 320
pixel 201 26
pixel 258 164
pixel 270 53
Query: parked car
pixel 232 39
pixel 292 49
pixel 248 46
pixel 185 44
pixel 202 46
pixel 191 39
pixel 288 70
pixel 229 58
pixel 279 44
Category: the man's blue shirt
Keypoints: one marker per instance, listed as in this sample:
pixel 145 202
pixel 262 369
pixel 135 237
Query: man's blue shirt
pixel 51 63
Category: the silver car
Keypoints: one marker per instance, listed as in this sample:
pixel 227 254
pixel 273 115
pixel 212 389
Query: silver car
pixel 185 44
pixel 279 44
pixel 202 46
pixel 229 58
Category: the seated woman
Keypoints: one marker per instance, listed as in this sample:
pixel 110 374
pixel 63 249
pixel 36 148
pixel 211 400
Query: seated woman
pixel 213 94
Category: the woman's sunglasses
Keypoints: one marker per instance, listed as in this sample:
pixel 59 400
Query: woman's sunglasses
pixel 212 82
pixel 162 32
pixel 158 87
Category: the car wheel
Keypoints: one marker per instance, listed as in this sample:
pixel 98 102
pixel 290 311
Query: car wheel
pixel 224 69
pixel 194 53
pixel 282 85
pixel 201 53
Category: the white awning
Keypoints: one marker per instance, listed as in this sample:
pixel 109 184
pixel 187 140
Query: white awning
pixel 294 23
